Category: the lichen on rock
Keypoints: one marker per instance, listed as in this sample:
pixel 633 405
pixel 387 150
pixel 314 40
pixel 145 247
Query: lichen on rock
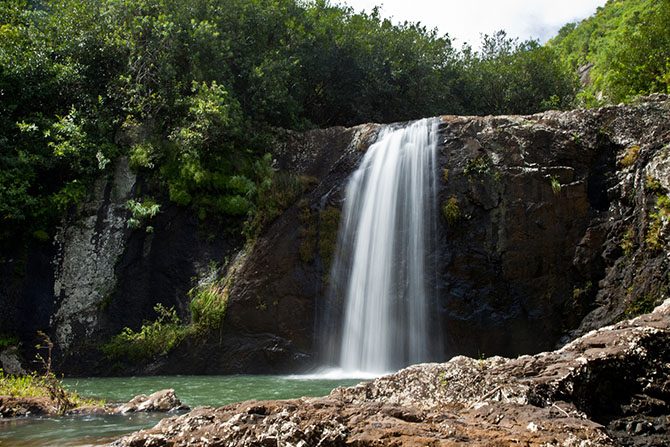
pixel 88 248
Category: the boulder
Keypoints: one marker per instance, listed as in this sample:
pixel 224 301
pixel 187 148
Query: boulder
pixel 160 401
pixel 10 361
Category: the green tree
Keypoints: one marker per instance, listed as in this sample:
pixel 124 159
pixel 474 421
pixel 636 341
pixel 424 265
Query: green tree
pixel 191 92
pixel 508 76
pixel 627 46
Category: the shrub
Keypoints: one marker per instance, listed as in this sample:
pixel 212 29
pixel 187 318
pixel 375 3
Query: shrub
pixel 451 210
pixel 642 305
pixel 154 338
pixel 141 213
pixel 72 193
pixel 21 386
pixel 8 340
pixel 628 241
pixel 663 205
pixel 652 184
pixel 445 175
pixel 47 386
pixel 276 191
pixel 479 166
pixel 209 301
pixel 654 235
pixel 142 156
pixel 579 292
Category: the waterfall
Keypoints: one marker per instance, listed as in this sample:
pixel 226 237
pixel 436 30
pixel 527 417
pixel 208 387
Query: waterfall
pixel 382 269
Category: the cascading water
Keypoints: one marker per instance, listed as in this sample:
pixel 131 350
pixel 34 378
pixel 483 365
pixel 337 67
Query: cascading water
pixel 382 267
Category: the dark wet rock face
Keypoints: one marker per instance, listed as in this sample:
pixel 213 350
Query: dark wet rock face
pixel 276 292
pixel 607 388
pixel 10 361
pixel 546 201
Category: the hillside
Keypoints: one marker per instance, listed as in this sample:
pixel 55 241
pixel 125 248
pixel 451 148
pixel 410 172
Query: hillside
pixel 625 46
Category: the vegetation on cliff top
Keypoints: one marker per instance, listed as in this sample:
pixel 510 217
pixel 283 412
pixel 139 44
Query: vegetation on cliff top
pixel 190 92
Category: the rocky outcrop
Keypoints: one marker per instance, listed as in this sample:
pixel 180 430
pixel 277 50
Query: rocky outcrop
pixel 12 407
pixel 88 250
pixel 273 299
pixel 556 211
pixel 609 387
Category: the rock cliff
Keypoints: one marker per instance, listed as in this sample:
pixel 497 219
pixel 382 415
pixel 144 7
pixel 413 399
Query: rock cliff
pixel 561 226
pixel 610 387
pixel 559 213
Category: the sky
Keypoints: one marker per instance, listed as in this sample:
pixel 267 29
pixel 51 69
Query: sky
pixel 466 20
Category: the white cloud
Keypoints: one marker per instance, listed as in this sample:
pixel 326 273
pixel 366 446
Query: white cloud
pixel 466 20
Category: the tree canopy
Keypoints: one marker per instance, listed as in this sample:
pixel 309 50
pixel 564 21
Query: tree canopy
pixel 189 92
pixel 627 43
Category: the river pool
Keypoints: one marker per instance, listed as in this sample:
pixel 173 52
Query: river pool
pixel 194 391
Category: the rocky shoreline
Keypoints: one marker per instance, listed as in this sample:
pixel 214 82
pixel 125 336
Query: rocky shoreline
pixel 609 387
pixel 162 401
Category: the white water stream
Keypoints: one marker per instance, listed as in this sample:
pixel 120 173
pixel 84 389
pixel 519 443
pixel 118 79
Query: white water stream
pixel 381 266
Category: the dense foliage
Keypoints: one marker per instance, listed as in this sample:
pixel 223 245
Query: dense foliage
pixel 188 91
pixel 627 43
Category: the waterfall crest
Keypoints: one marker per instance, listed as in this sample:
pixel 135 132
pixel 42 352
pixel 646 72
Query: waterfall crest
pixel 382 269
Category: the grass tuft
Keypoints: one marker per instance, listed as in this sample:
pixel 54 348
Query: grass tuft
pixel 555 185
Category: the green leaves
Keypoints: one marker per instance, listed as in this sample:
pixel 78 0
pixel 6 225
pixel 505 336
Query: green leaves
pixel 141 213
pixel 189 91
pixel 508 76
pixel 155 338
pixel 203 166
pixel 628 45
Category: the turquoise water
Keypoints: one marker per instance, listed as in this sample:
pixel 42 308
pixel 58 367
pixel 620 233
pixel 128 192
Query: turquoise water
pixel 194 391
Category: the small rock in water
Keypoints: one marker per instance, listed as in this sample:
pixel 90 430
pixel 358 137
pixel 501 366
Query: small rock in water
pixel 160 401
